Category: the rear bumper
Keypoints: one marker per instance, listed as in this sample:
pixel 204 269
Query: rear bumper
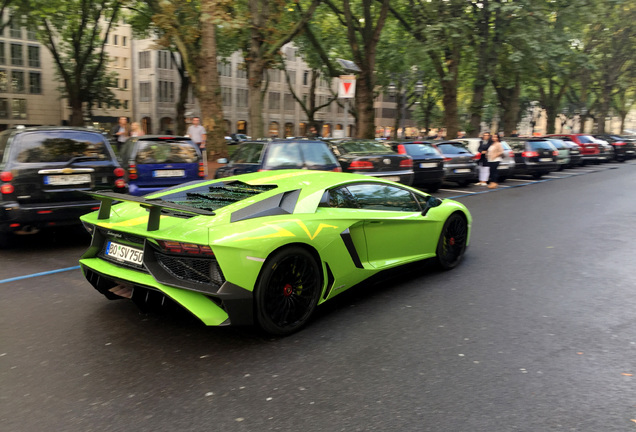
pixel 13 216
pixel 428 176
pixel 404 177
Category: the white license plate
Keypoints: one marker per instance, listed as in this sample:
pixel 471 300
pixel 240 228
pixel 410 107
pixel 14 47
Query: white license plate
pixel 392 178
pixel 502 167
pixel 168 173
pixel 124 253
pixel 545 160
pixel 68 179
pixel 428 165
pixel 462 170
pixel 629 151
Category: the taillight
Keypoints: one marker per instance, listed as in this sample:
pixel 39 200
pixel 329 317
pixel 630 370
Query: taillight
pixel 530 154
pixel 361 165
pixel 406 163
pixel 619 143
pixel 184 248
pixel 555 153
pixel 7 188
pixel 119 172
pixel 6 176
pixel 132 172
pixel 477 156
pixel 447 159
pixel 201 170
pixel 511 154
pixel 120 183
pixel 401 149
pixel 337 169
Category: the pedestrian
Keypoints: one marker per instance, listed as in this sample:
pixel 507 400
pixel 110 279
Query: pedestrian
pixel 484 168
pixel 495 155
pixel 197 133
pixel 440 135
pixel 461 134
pixel 120 132
pixel 313 132
pixel 135 130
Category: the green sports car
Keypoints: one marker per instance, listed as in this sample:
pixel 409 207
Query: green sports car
pixel 266 247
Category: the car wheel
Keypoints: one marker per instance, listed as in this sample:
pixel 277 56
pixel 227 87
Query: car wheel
pixel 287 291
pixel 433 188
pixel 452 242
pixel 463 183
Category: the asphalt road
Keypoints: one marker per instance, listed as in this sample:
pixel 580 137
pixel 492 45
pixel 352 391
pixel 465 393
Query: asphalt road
pixel 534 331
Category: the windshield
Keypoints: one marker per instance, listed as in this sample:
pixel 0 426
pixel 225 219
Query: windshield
pixel 559 144
pixel 60 146
pixel 421 150
pixel 540 145
pixel 363 147
pixel 452 149
pixel 586 139
pixel 247 153
pixel 168 151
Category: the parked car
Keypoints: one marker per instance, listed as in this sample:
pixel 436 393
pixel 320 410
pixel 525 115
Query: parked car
pixel 236 138
pixel 607 151
pixel 373 158
pixel 624 148
pixel 534 156
pixel 428 163
pixel 563 158
pixel 265 155
pixel 590 150
pixel 460 165
pixel 44 172
pixel 506 166
pixel 575 153
pixel 155 162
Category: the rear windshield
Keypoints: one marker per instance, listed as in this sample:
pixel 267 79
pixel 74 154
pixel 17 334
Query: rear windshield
pixel 421 150
pixel 363 147
pixel 247 153
pixel 60 146
pixel 168 151
pixel 586 139
pixel 296 154
pixel 560 144
pixel 452 148
pixel 540 145
pixel 4 136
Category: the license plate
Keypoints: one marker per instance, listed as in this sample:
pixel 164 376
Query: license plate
pixel 69 179
pixel 502 167
pixel 392 178
pixel 168 173
pixel 630 151
pixel 124 253
pixel 462 170
pixel 428 165
pixel 545 160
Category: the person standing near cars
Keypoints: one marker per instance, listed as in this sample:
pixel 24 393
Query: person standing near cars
pixel 135 130
pixel 197 133
pixel 495 155
pixel 121 132
pixel 484 168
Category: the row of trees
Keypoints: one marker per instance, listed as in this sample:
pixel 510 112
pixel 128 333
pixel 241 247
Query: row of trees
pixel 477 59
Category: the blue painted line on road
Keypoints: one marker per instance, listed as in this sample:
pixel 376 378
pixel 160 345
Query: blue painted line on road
pixel 46 273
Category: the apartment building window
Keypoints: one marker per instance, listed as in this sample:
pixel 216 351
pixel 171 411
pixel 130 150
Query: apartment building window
pixel 306 77
pixel 171 91
pixel 274 75
pixel 115 39
pixel 241 70
pixel 124 62
pixel 144 92
pixel 3 57
pixel 15 27
pixel 144 60
pixel 241 98
pixel 17 81
pixel 226 93
pixel 292 76
pixel 163 59
pixel 290 103
pixel 34 56
pixel 35 83
pixel 19 108
pixel 124 40
pixel 16 55
pixel 4 81
pixel 4 108
pixel 115 61
pixel 274 100
pixel 124 103
pixel 124 83
pixel 225 68
pixel 31 34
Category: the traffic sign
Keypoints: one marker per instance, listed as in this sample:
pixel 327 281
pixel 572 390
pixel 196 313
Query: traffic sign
pixel 347 86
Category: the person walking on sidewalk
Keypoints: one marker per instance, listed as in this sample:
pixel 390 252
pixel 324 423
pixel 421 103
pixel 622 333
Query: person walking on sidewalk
pixel 495 155
pixel 484 169
pixel 197 133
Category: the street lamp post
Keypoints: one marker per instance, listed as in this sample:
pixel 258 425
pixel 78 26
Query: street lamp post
pixel 402 96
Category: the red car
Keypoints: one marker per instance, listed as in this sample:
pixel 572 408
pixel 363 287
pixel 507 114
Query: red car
pixel 591 151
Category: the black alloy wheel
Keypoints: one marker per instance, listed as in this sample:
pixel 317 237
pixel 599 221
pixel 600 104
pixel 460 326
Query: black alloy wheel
pixel 452 242
pixel 287 291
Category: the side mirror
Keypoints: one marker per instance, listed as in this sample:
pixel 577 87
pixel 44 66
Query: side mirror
pixel 221 161
pixel 431 202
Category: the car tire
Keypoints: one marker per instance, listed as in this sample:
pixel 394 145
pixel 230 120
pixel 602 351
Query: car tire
pixel 537 175
pixel 287 291
pixel 452 242
pixel 463 183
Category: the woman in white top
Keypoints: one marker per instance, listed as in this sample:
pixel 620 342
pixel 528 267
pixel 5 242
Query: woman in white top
pixel 494 155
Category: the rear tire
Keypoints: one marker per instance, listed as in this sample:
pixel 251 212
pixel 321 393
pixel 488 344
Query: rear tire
pixel 452 242
pixel 287 291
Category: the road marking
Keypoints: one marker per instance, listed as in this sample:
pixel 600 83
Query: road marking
pixel 46 273
pixel 459 191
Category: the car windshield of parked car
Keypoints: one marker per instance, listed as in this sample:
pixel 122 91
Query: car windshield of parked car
pixel 540 145
pixel 60 146
pixel 247 153
pixel 363 147
pixel 316 154
pixel 559 144
pixel 166 151
pixel 452 148
pixel 421 150
pixel 586 139
pixel 283 155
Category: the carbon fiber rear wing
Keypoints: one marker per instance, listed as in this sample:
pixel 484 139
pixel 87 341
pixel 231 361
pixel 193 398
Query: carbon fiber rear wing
pixel 155 206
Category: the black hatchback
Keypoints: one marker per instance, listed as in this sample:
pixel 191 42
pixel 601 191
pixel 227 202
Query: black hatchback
pixel 534 156
pixel 43 172
pixel 428 163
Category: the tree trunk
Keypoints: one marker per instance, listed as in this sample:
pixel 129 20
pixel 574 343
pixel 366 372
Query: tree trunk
pixel 77 113
pixel 181 105
pixel 365 125
pixel 207 85
pixel 255 71
pixel 449 100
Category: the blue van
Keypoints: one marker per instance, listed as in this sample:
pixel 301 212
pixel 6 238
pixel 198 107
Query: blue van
pixel 154 162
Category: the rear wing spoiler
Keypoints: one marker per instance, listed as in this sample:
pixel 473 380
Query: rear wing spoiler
pixel 154 205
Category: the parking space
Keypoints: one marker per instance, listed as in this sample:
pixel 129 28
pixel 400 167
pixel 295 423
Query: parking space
pixel 452 190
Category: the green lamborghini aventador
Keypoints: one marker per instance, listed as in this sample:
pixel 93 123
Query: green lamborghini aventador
pixel 266 247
